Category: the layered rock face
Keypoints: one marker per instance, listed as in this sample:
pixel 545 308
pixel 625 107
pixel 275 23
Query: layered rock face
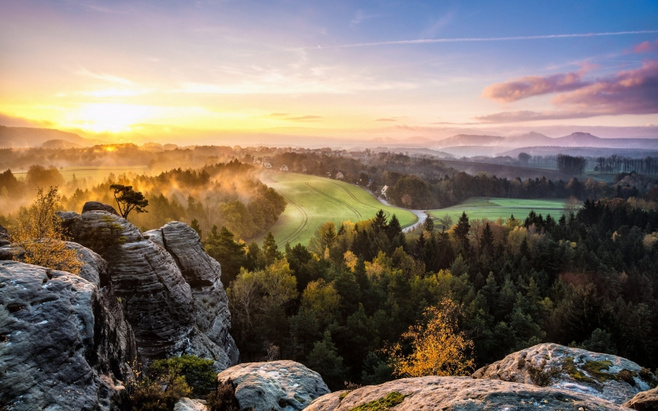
pixel 606 376
pixel 276 385
pixel 64 343
pixel 203 274
pixel 458 393
pixel 170 289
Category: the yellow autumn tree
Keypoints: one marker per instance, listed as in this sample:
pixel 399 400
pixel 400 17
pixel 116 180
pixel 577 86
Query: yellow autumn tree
pixel 434 346
pixel 38 232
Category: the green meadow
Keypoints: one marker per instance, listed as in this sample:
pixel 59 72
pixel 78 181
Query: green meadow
pixel 479 208
pixel 312 201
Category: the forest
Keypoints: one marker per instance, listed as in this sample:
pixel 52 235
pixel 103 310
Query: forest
pixel 224 194
pixel 589 279
pixel 342 303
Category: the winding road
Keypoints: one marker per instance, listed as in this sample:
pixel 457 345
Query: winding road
pixel 420 214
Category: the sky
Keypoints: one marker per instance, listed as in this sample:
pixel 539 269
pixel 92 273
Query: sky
pixel 240 70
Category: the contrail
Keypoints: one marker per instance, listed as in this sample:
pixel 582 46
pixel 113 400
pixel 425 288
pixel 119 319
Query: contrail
pixel 481 39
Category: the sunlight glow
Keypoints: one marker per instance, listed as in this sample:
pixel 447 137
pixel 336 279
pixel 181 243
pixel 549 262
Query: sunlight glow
pixel 107 117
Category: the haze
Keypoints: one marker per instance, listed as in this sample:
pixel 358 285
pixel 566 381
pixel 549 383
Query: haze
pixel 237 72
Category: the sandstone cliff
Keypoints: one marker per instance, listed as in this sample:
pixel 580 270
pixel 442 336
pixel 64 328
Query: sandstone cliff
pixel 64 343
pixel 170 289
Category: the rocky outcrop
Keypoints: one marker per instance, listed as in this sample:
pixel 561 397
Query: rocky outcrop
pixel 276 385
pixel 4 236
pixel 64 343
pixel 203 274
pixel 98 206
pixel 188 404
pixel 169 288
pixel 644 401
pixel 458 393
pixel 605 376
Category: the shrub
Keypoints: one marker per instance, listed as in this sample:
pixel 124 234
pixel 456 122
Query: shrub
pixel 158 391
pixel 198 372
pixel 223 399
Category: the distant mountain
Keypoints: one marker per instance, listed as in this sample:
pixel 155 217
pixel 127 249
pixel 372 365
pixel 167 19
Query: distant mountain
pixel 471 144
pixel 390 141
pixel 471 140
pixel 20 137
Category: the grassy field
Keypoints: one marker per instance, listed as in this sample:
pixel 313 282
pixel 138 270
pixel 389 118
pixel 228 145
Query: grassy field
pixel 313 201
pixel 478 208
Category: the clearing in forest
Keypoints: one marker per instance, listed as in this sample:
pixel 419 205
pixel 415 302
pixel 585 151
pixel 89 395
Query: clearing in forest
pixel 313 200
pixel 491 208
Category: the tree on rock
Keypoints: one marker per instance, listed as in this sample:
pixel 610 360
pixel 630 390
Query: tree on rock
pixel 39 233
pixel 433 346
pixel 128 200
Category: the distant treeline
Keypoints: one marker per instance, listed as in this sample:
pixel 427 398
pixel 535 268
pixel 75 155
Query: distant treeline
pixel 425 183
pixel 225 194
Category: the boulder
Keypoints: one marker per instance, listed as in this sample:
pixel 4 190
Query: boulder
pixel 63 341
pixel 606 376
pixel 458 393
pixel 189 404
pixel 644 401
pixel 275 385
pixel 98 206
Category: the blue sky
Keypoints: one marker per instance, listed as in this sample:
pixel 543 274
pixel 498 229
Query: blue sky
pixel 339 69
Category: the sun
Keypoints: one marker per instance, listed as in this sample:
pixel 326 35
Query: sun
pixel 108 117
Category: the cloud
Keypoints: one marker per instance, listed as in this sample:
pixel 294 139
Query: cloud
pixel 112 92
pixel 360 16
pixel 386 119
pixel 439 24
pixel 485 39
pixel 103 76
pixel 646 47
pixel 533 86
pixel 628 92
pixel 293 117
pixel 526 115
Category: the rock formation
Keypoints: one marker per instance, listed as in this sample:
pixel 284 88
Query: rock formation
pixel 458 393
pixel 64 343
pixel 606 376
pixel 4 236
pixel 275 385
pixel 188 404
pixel 203 274
pixel 170 289
pixel 644 401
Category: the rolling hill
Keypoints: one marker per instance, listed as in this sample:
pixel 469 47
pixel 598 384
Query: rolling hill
pixel 22 137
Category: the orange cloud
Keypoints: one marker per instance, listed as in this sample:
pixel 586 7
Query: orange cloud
pixel 292 117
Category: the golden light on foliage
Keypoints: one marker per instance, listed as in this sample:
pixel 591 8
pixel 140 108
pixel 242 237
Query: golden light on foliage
pixel 437 346
pixel 38 232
